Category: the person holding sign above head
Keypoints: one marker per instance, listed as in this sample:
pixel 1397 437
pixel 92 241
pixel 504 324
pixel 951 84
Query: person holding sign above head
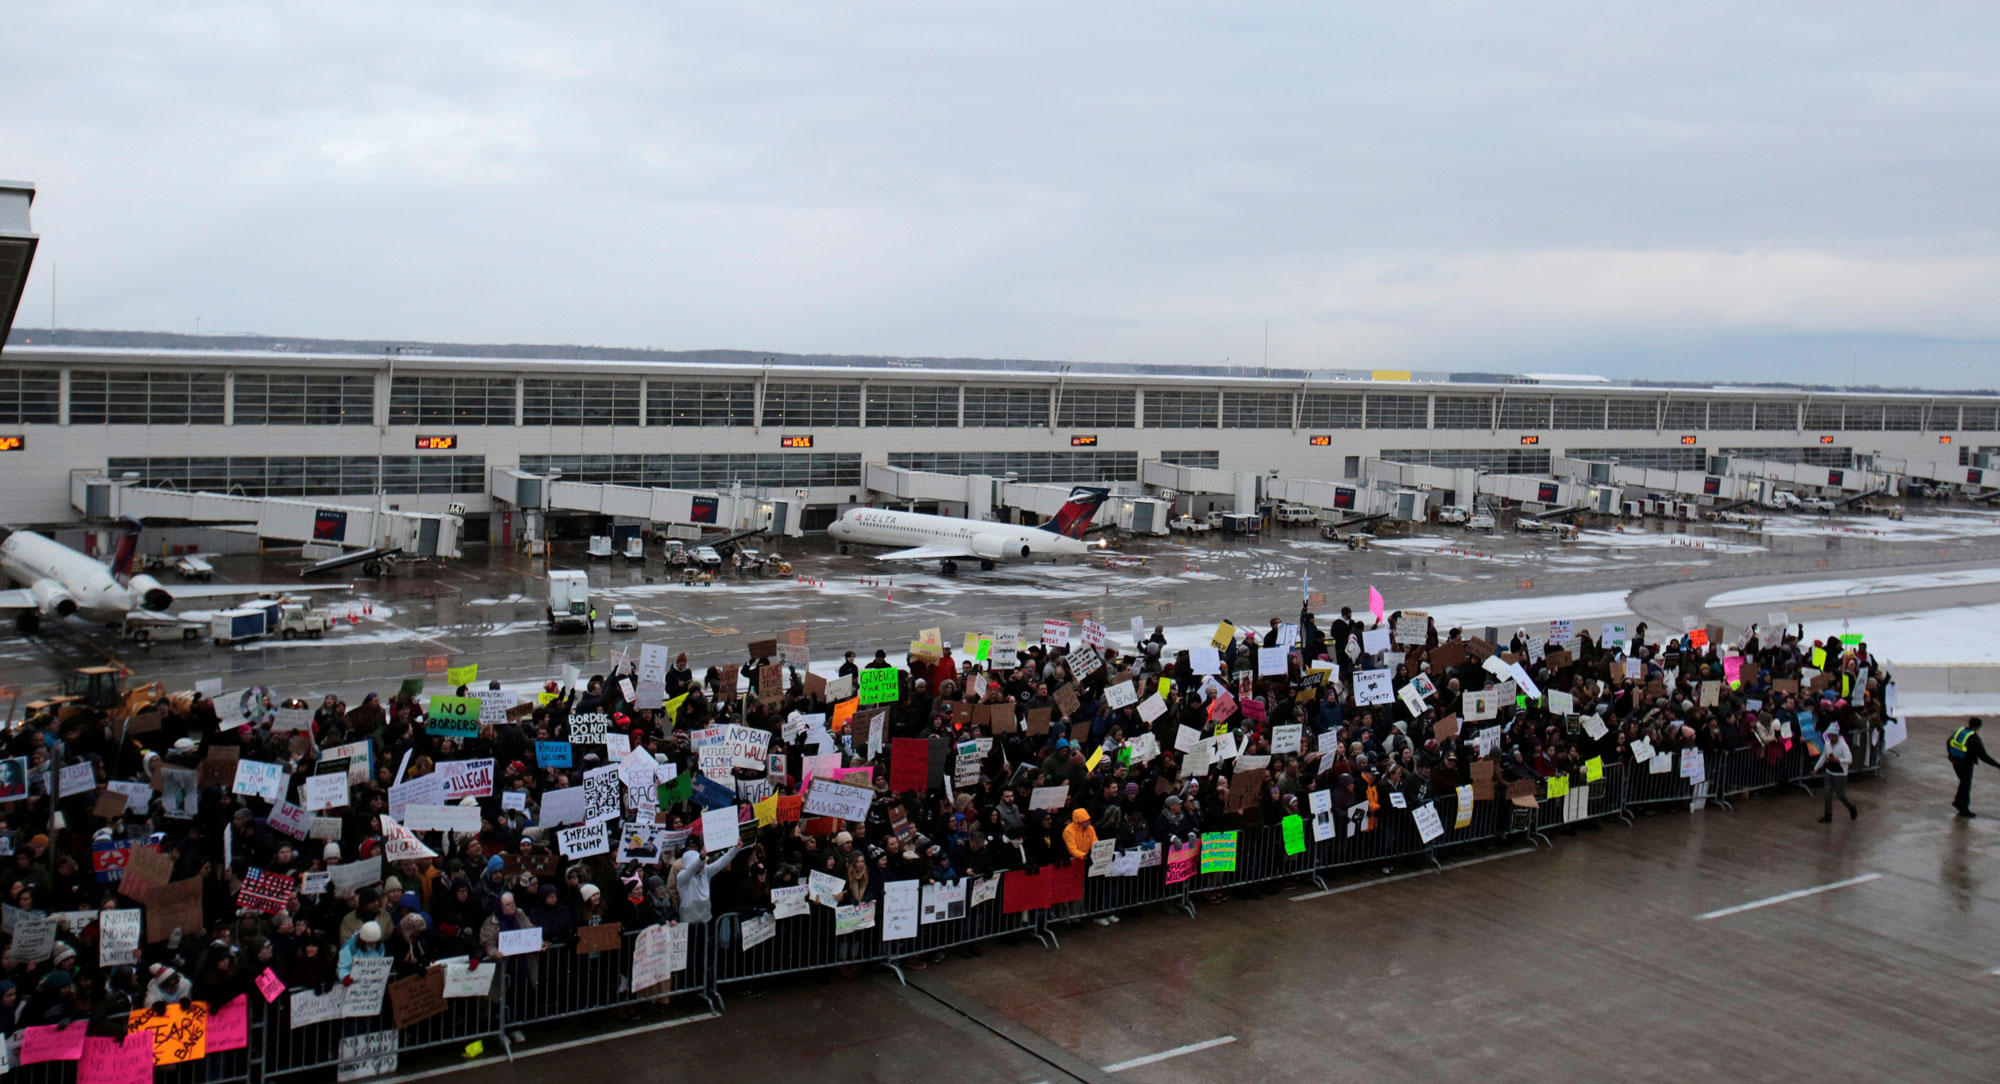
pixel 1966 750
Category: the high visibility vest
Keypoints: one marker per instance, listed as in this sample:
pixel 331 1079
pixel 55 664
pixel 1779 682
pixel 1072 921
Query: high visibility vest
pixel 1956 747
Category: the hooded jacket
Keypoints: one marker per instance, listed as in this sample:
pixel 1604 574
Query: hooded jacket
pixel 1079 837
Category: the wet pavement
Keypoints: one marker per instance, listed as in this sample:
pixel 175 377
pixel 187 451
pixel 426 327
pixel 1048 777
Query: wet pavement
pixel 1587 961
pixel 488 608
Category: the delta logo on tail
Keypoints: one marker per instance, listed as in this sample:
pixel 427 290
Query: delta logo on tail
pixel 1072 520
pixel 128 547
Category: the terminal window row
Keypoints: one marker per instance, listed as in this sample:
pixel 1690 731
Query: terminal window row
pixel 309 475
pixel 1812 455
pixel 1027 466
pixel 1496 460
pixel 1670 458
pixel 698 471
pixel 166 397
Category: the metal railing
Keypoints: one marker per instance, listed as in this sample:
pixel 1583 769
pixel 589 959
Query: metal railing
pixel 562 982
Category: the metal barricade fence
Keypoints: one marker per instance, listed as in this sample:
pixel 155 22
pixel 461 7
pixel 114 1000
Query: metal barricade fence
pixel 1380 843
pixel 1645 787
pixel 562 981
pixel 1105 895
pixel 285 1049
pixel 802 943
pixel 220 1067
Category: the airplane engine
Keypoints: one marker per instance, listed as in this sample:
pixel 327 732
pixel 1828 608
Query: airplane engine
pixel 149 593
pixel 997 549
pixel 52 599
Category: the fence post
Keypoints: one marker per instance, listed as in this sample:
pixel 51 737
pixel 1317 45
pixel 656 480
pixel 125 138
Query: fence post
pixel 711 991
pixel 501 1021
pixel 260 1010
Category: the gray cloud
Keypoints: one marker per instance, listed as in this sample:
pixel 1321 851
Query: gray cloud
pixel 1587 185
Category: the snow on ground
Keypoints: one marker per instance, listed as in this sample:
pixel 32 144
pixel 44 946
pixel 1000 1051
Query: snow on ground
pixel 1925 528
pixel 1527 610
pixel 1632 540
pixel 1467 548
pixel 1956 634
pixel 1860 585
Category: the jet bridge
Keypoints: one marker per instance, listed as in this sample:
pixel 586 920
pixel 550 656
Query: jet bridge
pixel 973 492
pixel 17 249
pixel 1973 480
pixel 274 519
pixel 1837 481
pixel 738 510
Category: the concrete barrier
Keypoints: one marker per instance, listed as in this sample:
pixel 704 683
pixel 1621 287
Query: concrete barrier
pixel 1948 678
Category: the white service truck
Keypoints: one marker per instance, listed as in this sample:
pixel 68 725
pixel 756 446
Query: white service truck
pixel 298 618
pixel 569 601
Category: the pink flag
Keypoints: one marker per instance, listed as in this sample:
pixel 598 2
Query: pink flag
pixel 1375 605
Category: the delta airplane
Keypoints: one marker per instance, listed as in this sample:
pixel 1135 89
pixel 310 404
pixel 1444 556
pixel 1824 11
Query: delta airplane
pixel 950 539
pixel 61 582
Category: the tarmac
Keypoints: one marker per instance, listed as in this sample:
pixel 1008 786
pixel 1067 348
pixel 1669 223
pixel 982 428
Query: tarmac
pixel 1752 944
pixel 488 608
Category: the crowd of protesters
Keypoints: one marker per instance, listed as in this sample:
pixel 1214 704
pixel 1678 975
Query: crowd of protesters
pixel 69 854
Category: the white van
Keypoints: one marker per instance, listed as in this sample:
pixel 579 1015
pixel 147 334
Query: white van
pixel 1295 514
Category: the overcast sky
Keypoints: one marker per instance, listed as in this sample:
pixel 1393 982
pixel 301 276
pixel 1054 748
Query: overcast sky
pixel 1706 190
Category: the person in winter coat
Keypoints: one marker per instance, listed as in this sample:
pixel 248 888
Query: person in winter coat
pixel 657 908
pixel 695 879
pixel 1079 837
pixel 366 942
pixel 168 987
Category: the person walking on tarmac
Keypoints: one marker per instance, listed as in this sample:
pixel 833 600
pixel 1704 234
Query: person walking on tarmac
pixel 1965 750
pixel 1834 759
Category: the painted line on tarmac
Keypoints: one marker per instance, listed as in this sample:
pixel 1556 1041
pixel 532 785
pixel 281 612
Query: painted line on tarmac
pixel 519 1053
pixel 1407 876
pixel 1134 1063
pixel 1788 897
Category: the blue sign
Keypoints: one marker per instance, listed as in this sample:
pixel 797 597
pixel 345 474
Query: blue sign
pixel 552 754
pixel 711 794
pixel 1807 732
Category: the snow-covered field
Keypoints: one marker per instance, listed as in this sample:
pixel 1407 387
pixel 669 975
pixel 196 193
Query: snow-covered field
pixel 1858 585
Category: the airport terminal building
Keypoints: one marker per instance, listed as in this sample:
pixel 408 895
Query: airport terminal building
pixel 429 433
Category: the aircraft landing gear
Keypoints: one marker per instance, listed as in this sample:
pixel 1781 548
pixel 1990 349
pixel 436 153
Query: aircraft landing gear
pixel 949 568
pixel 985 565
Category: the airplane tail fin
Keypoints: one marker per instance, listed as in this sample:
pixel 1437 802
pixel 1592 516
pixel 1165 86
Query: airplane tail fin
pixel 128 547
pixel 1073 518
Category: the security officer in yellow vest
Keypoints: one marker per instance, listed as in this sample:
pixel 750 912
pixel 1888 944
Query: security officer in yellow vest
pixel 1965 750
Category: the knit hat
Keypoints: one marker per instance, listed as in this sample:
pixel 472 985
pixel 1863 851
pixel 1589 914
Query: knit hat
pixel 331 852
pixel 588 892
pixel 371 932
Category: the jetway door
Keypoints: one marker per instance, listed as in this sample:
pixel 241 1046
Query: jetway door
pixel 1143 513
pixel 781 516
pixel 427 536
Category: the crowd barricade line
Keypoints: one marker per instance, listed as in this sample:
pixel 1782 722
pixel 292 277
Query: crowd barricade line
pixel 560 983
pixel 1645 787
pixel 286 1050
pixel 1108 895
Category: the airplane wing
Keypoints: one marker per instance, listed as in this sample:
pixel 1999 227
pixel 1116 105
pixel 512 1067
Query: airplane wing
pixel 182 591
pixel 21 599
pixel 926 553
